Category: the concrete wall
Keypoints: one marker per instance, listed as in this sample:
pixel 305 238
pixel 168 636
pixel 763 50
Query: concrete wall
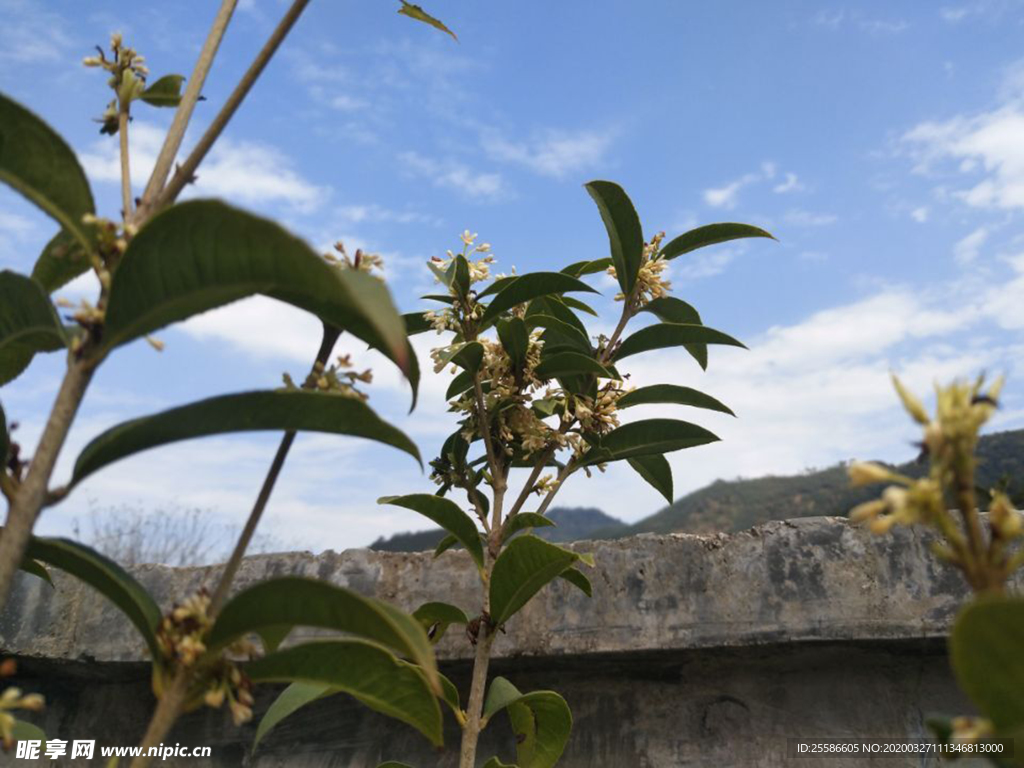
pixel 694 651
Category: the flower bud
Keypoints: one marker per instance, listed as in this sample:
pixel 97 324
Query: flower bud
pixel 867 472
pixel 33 702
pixel 914 406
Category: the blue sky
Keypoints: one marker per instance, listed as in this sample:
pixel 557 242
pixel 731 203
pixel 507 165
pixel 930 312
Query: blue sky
pixel 882 143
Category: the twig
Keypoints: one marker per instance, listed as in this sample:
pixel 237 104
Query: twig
pixel 31 492
pixel 126 175
pixel 184 173
pixel 231 568
pixel 182 116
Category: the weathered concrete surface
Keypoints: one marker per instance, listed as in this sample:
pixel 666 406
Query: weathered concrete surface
pixel 694 651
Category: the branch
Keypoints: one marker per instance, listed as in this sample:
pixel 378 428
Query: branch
pixel 126 176
pixel 182 116
pixel 231 568
pixel 186 171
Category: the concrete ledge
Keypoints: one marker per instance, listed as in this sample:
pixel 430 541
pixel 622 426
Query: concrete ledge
pixel 787 581
pixel 697 651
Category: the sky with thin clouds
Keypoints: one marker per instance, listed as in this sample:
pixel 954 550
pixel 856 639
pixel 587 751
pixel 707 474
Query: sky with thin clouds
pixel 882 143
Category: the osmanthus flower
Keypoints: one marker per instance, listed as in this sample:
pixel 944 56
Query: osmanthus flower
pixel 949 441
pixel 650 283
pixel 181 638
pixel 11 699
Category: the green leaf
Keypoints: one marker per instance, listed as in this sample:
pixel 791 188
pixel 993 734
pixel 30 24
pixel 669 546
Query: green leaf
pixel 165 92
pixel 416 323
pixel 541 721
pixel 656 470
pixel 570 363
pixel 203 254
pixel 469 356
pixel 525 520
pixel 587 267
pixel 415 12
pixel 28 324
pixel 445 544
pixel 273 636
pixel 669 309
pixel 526 565
pixel 291 699
pixel 529 287
pixel 985 650
pixel 500 693
pixel 62 260
pixel 435 618
pixel 497 285
pixel 301 602
pixel 515 338
pixel 23 731
pixel 625 236
pixel 460 280
pixel 575 577
pixel 450 694
pixel 242 412
pixel 572 303
pixel 665 335
pixel 710 234
pixel 647 437
pixel 671 393
pixel 107 578
pixel 448 515
pixel 462 382
pixel 39 164
pixel 562 332
pixel 36 569
pixel 362 669
pixel 5 440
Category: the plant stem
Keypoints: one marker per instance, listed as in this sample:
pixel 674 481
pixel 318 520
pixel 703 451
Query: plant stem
pixel 567 470
pixel 167 711
pixel 169 707
pixel 182 116
pixel 126 176
pixel 475 705
pixel 183 175
pixel 31 492
pixel 231 568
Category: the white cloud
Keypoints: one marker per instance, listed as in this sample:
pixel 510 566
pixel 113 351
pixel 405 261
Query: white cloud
pixel 920 214
pixel 554 153
pixel 452 174
pixel 702 264
pixel 837 18
pixel 985 148
pixel 791 184
pixel 243 171
pixel 30 34
pixel 966 251
pixel 376 214
pixel 800 218
pixel 727 196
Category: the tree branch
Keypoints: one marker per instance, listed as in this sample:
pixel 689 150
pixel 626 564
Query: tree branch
pixel 182 116
pixel 126 175
pixel 184 173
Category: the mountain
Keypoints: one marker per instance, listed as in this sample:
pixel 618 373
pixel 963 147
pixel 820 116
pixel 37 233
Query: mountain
pixel 736 505
pixel 571 524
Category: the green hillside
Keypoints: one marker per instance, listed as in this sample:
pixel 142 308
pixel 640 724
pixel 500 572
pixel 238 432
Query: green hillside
pixel 571 524
pixel 739 504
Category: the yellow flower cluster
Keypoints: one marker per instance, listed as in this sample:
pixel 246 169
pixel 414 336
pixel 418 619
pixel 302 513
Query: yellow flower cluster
pixel 12 698
pixel 371 263
pixel 335 380
pixel 650 284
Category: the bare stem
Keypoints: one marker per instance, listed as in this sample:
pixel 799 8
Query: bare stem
pixel 183 175
pixel 485 432
pixel 231 568
pixel 475 705
pixel 31 492
pixel 167 711
pixel 126 175
pixel 182 116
